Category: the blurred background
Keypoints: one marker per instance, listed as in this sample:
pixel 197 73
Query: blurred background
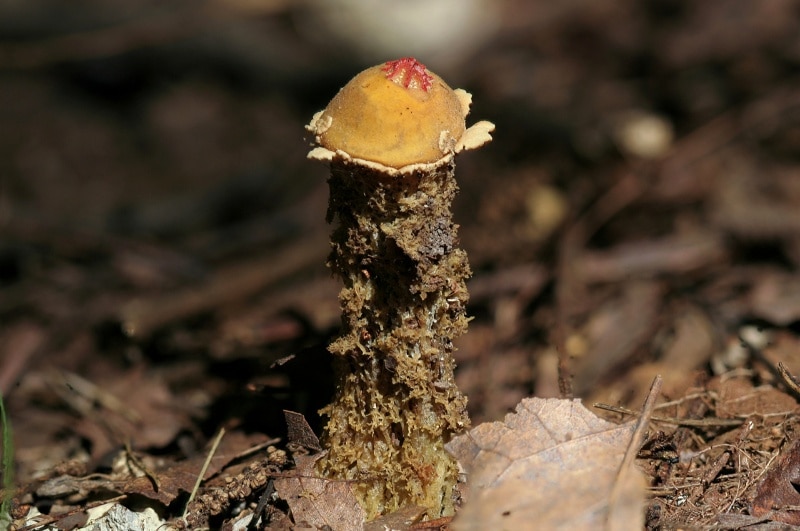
pixel 162 235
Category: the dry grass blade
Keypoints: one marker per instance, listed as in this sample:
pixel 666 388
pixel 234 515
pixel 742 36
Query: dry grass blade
pixel 623 483
pixel 202 473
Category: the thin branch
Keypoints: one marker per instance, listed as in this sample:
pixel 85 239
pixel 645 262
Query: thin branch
pixel 695 423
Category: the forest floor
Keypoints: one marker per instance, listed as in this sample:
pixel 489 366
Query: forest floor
pixel 163 244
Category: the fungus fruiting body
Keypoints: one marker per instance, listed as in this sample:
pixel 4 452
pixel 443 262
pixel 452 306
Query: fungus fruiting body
pixel 390 136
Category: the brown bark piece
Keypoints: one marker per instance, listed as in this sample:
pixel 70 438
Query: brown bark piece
pixel 300 432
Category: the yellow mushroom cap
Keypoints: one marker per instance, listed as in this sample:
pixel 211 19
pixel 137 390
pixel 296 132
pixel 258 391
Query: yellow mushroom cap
pixel 395 114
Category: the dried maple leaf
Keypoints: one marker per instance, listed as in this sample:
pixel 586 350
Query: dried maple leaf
pixel 552 464
pixel 318 502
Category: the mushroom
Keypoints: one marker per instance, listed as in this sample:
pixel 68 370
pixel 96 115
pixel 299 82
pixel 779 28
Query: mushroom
pixel 390 136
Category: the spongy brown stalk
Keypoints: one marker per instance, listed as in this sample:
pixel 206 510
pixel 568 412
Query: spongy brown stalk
pixel 403 304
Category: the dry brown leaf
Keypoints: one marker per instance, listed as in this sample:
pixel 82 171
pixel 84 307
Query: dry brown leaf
pixel 176 479
pixel 552 464
pixel 777 494
pixel 318 502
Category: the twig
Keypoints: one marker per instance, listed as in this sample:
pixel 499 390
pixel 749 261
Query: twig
pixel 255 449
pixel 788 379
pixel 261 507
pixel 695 423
